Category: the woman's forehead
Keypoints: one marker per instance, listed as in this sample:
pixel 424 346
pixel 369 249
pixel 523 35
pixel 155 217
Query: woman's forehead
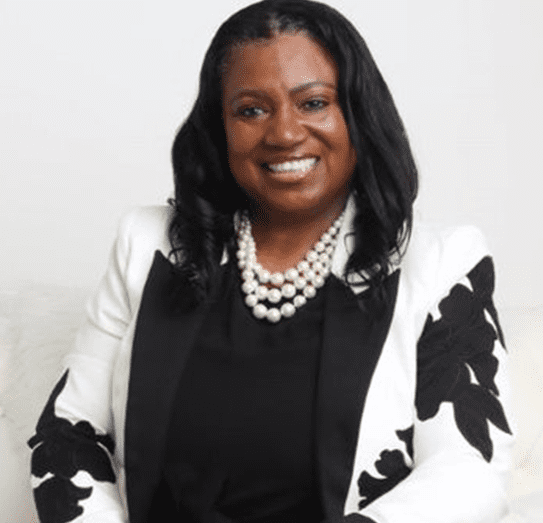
pixel 290 58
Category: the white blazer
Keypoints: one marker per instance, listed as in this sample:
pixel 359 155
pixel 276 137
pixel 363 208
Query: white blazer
pixel 427 442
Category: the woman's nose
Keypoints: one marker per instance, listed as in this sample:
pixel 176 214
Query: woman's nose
pixel 285 128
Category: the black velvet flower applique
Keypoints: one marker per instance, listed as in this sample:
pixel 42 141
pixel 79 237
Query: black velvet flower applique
pixel 462 340
pixel 391 465
pixel 63 449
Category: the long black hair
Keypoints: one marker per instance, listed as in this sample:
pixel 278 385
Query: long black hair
pixel 384 182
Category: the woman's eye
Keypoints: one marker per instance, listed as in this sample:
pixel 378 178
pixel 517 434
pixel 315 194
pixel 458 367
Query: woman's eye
pixel 314 105
pixel 250 112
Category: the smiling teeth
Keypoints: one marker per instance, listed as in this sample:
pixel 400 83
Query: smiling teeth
pixel 299 165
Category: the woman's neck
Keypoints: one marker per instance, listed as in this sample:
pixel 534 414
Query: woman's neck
pixel 283 240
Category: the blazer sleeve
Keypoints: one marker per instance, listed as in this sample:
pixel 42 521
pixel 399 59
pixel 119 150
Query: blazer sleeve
pixel 74 475
pixel 461 441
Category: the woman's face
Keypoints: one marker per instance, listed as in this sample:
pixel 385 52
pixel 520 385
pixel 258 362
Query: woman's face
pixel 288 143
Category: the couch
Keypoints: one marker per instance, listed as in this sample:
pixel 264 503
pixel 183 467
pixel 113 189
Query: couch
pixel 38 324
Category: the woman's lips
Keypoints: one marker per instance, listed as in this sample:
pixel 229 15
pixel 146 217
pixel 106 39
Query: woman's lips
pixel 291 171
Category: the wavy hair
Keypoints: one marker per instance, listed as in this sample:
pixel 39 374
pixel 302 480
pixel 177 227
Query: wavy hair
pixel 384 182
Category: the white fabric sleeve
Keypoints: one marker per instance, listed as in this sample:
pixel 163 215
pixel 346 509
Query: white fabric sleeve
pixel 73 466
pixel 462 441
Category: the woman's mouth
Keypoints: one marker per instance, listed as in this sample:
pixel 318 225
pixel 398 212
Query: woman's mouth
pixel 295 165
pixel 291 171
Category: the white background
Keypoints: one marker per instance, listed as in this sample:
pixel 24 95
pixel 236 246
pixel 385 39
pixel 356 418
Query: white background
pixel 92 92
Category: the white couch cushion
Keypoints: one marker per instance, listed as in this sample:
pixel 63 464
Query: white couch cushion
pixel 37 326
pixel 524 338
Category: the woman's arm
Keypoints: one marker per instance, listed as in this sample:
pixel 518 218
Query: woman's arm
pixel 73 467
pixel 461 439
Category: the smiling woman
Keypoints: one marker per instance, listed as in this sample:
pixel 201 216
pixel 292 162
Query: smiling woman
pixel 282 344
pixel 288 144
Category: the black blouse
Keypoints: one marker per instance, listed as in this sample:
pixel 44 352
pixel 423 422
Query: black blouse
pixel 240 444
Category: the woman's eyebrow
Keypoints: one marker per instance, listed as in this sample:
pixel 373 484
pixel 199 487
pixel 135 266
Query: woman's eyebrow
pixel 297 89
pixel 247 92
pixel 309 85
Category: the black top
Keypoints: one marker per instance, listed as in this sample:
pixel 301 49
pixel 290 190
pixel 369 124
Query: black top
pixel 240 443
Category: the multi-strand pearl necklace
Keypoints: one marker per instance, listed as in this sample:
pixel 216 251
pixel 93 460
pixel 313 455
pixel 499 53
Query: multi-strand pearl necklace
pixel 294 286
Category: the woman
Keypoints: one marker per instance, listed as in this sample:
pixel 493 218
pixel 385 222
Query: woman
pixel 282 344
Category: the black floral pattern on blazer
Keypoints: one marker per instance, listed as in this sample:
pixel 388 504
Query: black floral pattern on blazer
pixel 62 450
pixel 461 341
pixel 391 465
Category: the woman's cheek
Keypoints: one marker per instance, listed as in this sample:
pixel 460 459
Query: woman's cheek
pixel 242 137
pixel 333 126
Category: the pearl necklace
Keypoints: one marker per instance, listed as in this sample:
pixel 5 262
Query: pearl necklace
pixel 297 284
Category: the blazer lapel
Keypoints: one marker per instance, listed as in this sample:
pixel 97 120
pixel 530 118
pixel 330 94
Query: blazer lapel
pixel 354 333
pixel 162 343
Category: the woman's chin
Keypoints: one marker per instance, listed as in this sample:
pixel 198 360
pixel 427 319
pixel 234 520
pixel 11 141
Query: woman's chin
pixel 298 204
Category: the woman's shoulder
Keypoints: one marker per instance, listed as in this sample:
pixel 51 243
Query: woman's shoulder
pixel 438 256
pixel 149 220
pixel 141 232
pixel 145 228
pixel 445 242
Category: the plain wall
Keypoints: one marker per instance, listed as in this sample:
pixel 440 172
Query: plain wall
pixel 92 92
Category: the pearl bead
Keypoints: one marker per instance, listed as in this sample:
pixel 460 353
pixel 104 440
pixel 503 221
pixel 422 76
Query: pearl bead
pixel 291 274
pixel 274 295
pixel 248 274
pixel 264 276
pixel 326 237
pixel 249 286
pixel 260 311
pixel 288 290
pixel 318 266
pixel 310 291
pixel 303 266
pixel 273 315
pixel 288 310
pixel 319 246
pixel 242 263
pixel 323 258
pixel 277 278
pixel 262 292
pixel 312 256
pixel 251 300
pixel 241 255
pixel 300 282
pixel 310 274
pixel 329 249
pixel 318 281
pixel 299 301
